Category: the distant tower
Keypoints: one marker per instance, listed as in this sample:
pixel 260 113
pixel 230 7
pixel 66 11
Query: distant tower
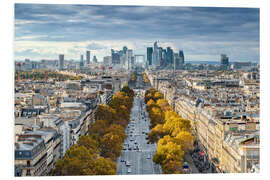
pixel 61 62
pixel 224 61
pixel 95 59
pixel 81 62
pixel 181 55
pixel 169 56
pixel 87 57
pixel 149 55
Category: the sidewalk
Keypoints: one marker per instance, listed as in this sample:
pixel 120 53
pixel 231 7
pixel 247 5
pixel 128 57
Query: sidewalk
pixel 192 166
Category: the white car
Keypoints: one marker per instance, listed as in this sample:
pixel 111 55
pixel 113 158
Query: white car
pixel 129 170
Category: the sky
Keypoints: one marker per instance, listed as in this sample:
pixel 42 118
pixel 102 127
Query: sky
pixel 43 31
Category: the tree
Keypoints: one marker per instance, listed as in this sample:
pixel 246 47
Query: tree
pixel 98 128
pixel 123 116
pixel 164 105
pixel 77 161
pixel 172 167
pixel 106 113
pixel 158 95
pixel 186 140
pixel 129 92
pixel 175 124
pixel 104 166
pixel 117 130
pixel 156 133
pixel 156 116
pixel 89 143
pixel 111 146
pixel 169 149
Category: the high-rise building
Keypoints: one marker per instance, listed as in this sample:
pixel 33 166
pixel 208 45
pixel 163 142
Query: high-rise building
pixel 224 61
pixel 87 57
pixel 125 49
pixel 129 56
pixel 169 56
pixel 177 61
pixel 115 57
pixel 81 62
pixel 61 62
pixel 181 55
pixel 163 57
pixel 156 59
pixel 160 60
pixel 95 59
pixel 149 55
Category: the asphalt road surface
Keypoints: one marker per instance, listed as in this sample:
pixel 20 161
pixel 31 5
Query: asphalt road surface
pixel 137 155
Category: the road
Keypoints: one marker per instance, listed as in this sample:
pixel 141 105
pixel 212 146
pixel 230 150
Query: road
pixel 136 151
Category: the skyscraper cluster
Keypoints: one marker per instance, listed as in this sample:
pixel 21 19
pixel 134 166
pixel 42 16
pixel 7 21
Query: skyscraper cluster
pixel 123 58
pixel 157 57
pixel 83 63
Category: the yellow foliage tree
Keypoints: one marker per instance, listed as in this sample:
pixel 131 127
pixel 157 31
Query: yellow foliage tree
pixel 186 140
pixel 164 105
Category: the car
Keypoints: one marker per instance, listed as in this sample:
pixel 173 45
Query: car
pixel 128 163
pixel 185 165
pixel 122 160
pixel 148 156
pixel 124 148
pixel 129 148
pixel 134 148
pixel 129 170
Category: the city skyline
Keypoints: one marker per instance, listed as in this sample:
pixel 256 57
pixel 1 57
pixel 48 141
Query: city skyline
pixel 45 31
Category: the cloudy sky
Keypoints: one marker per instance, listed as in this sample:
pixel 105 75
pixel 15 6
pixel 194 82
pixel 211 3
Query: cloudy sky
pixel 45 31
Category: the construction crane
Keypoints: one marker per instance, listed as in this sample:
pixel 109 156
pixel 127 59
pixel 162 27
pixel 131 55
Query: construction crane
pixel 45 76
pixel 19 64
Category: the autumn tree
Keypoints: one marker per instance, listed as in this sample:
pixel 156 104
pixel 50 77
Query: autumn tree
pixel 89 143
pixel 186 140
pixel 117 130
pixel 111 146
pixel 98 128
pixel 78 160
pixel 156 133
pixel 175 124
pixel 156 116
pixel 158 96
pixel 104 166
pixel 106 113
pixel 168 151
pixel 172 167
pixel 164 105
